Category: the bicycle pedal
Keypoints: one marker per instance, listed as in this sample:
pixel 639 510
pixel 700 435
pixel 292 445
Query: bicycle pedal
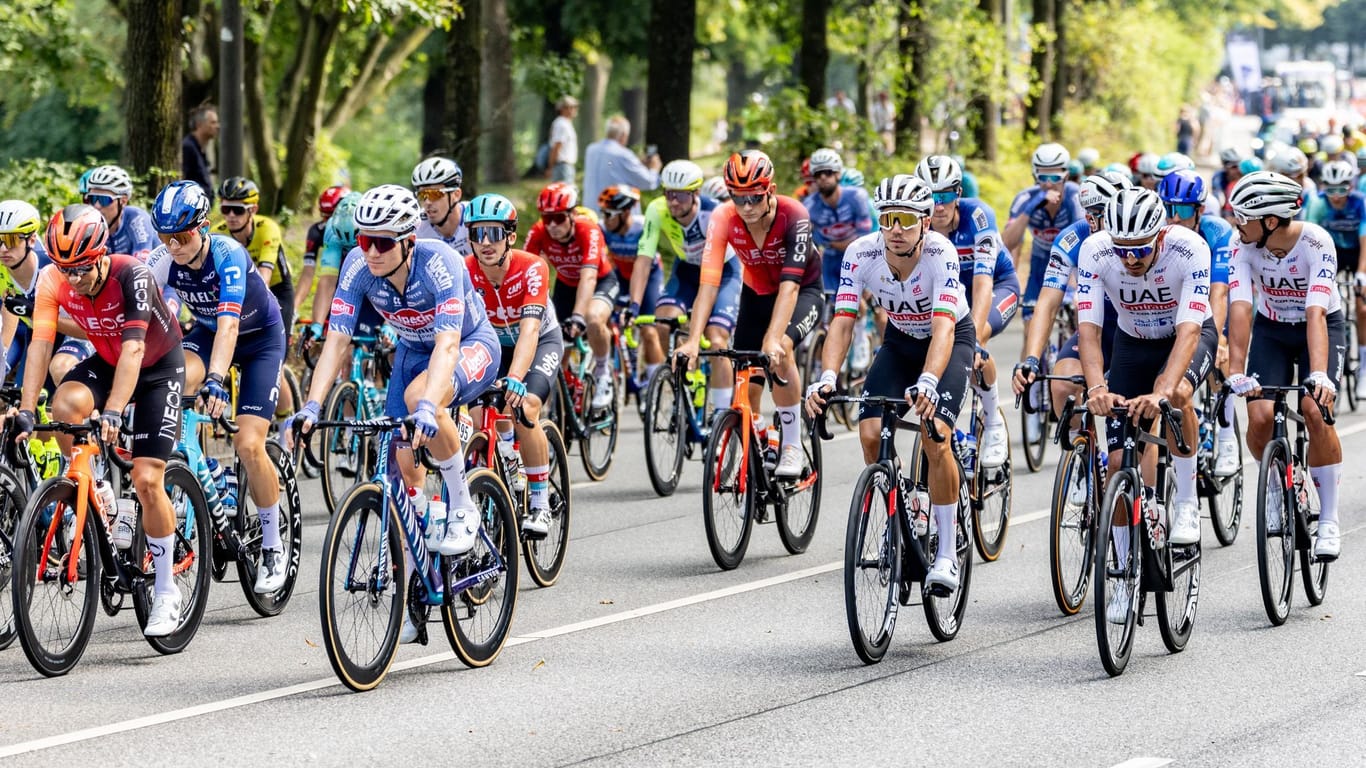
pixel 905 593
pixel 939 590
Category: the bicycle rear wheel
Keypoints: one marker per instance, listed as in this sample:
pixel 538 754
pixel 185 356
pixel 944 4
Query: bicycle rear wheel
pixel 599 440
pixel 801 505
pixel 666 433
pixel 291 534
pixel 945 614
pixel 12 501
pixel 1070 529
pixel 1176 609
pixel 545 557
pixel 1352 370
pixel 339 448
pixel 727 494
pixel 1117 567
pixel 1226 507
pixel 477 629
pixel 991 501
pixel 1313 573
pixel 1275 533
pixel 361 588
pixel 872 565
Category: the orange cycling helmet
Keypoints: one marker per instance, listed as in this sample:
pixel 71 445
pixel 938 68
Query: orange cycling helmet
pixel 77 235
pixel 619 198
pixel 558 197
pixel 748 171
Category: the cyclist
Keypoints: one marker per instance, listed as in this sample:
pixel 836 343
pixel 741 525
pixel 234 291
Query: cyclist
pixel 715 188
pixel 988 275
pixel 1045 209
pixel 1145 171
pixel 1090 161
pixel 313 242
pixel 236 322
pixel 1298 324
pixel 912 272
pixel 839 216
pixel 515 286
pixel 1230 160
pixel 1183 194
pixel 808 185
pixel 239 200
pixel 108 189
pixel 1157 278
pixel 137 358
pixel 447 351
pixel 781 293
pixel 1292 163
pixel 621 233
pixel 1342 212
pixel 676 227
pixel 22 257
pixel 436 182
pixel 586 287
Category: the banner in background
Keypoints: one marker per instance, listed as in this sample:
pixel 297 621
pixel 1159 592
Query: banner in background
pixel 1244 62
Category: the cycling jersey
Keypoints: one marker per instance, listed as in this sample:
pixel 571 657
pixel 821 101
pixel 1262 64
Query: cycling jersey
pixel 313 242
pixel 785 256
pixel 9 285
pixel 1287 287
pixel 850 217
pixel 134 235
pixel 585 248
pixel 1043 226
pixel 1346 225
pixel 678 242
pixel 1218 235
pixel 1175 289
pixel 226 284
pixel 460 241
pixel 624 247
pixel 1062 257
pixel 524 293
pixel 437 297
pixel 267 248
pixel 931 290
pixel 334 249
pixel 978 242
pixel 128 308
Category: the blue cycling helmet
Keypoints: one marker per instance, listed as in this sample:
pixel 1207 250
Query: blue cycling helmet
pixel 182 205
pixel 1182 187
pixel 1250 165
pixel 343 220
pixel 486 209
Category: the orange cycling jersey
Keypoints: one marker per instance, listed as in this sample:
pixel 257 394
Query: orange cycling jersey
pixel 524 292
pixel 129 307
pixel 585 249
pixel 786 254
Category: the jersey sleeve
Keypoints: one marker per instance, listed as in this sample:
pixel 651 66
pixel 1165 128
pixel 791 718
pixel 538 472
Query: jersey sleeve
pixel 271 251
pixel 350 293
pixel 45 305
pixel 1220 246
pixel 797 243
pixel 1323 286
pixel 718 240
pixel 1193 306
pixel 1061 258
pixel 863 212
pixel 232 265
pixel 1025 202
pixel 313 242
pixel 653 226
pixel 1090 287
pixel 848 294
pixel 137 285
pixel 985 241
pixel 1239 274
pixel 537 295
pixel 948 293
pixel 144 237
pixel 535 239
pixel 445 276
pixel 594 249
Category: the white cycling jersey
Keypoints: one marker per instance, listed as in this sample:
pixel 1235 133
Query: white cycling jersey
pixel 1175 289
pixel 1286 287
pixel 931 289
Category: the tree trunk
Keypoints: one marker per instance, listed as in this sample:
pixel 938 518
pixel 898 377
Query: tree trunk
pixel 559 42
pixel 463 44
pixel 988 111
pixel 1060 72
pixel 434 97
pixel 912 47
pixel 497 75
pixel 1037 104
pixel 737 89
pixel 287 99
pixel 595 97
pixel 668 110
pixel 151 63
pixel 260 129
pixel 307 119
pixel 815 53
pixel 633 106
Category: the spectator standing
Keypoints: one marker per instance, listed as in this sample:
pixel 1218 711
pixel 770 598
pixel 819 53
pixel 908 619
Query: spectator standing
pixel 842 101
pixel 883 118
pixel 564 142
pixel 194 161
pixel 609 163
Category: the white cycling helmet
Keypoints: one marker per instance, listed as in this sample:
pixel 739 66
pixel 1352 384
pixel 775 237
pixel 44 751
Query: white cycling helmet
pixel 19 218
pixel 1172 161
pixel 388 208
pixel 1099 188
pixel 1050 156
pixel 1290 161
pixel 111 178
pixel 681 176
pixel 1331 144
pixel 941 172
pixel 1230 156
pixel 1266 193
pixel 1089 157
pixel 826 159
pixel 904 192
pixel 437 172
pixel 1147 164
pixel 1134 214
pixel 715 188
pixel 1338 173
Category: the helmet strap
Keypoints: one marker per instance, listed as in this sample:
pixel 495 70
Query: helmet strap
pixel 450 208
pixel 403 260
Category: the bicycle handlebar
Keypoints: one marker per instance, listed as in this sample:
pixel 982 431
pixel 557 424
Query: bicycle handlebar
pixel 748 358
pixel 496 398
pixel 882 402
pixel 1304 391
pixel 1171 417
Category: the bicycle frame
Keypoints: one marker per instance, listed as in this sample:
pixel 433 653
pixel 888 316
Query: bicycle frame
pixel 1297 454
pixel 1155 569
pixel 199 465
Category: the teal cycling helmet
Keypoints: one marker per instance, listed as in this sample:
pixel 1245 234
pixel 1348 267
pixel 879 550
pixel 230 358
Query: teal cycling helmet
pixel 486 209
pixel 852 177
pixel 343 219
pixel 1249 165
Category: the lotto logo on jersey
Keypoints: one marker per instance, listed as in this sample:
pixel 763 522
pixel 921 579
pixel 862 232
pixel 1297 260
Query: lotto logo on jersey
pixel 340 307
pixel 451 306
pixel 474 360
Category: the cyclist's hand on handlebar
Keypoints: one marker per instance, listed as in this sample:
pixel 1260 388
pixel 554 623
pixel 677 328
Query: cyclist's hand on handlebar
pixel 575 326
pixel 926 391
pixel 1146 406
pixel 514 391
pixel 1025 374
pixel 19 305
pixel 817 392
pixel 1102 402
pixel 1243 385
pixel 214 395
pixel 1322 389
pixel 688 350
pixel 424 423
pixel 24 424
pixel 110 424
pixel 307 416
pixel 773 347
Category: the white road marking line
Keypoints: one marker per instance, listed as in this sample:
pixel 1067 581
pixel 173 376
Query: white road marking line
pixel 1143 762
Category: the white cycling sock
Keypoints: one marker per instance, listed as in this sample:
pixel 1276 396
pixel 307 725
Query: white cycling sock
pixel 722 397
pixel 270 526
pixel 163 560
pixel 601 365
pixel 990 400
pixel 1184 467
pixel 944 519
pixel 1226 433
pixel 453 472
pixel 1326 480
pixel 791 425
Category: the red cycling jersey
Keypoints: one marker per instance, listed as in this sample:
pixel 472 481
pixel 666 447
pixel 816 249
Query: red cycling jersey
pixel 786 255
pixel 524 292
pixel 129 307
pixel 585 249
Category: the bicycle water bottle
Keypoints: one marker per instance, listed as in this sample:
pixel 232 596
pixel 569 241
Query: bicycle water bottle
pixel 697 381
pixel 436 522
pixel 229 486
pixel 125 522
pixel 1157 519
pixel 968 441
pixel 771 451
pixel 512 462
pixel 919 509
pixel 105 492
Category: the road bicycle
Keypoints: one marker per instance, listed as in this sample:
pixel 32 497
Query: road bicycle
pixel 1037 409
pixel 364 586
pixel 594 429
pixel 676 422
pixel 1076 501
pixel 891 537
pixel 810 355
pixel 989 488
pixel 1222 494
pixel 344 454
pixel 1351 370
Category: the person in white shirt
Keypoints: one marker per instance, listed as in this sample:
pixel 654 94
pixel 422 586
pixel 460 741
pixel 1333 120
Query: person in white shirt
pixel 840 100
pixel 608 163
pixel 564 142
pixel 883 118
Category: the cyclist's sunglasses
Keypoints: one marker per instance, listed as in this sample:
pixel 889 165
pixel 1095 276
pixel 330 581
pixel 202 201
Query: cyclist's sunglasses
pixel 1135 252
pixel 495 234
pixel 824 172
pixel 1096 212
pixel 555 218
pixel 1336 191
pixel 906 219
pixel 944 198
pixel 432 194
pixel 1180 210
pixel 1050 178
pixel 12 239
pixel 99 201
pixel 680 197
pixel 233 210
pixel 77 271
pixel 745 201
pixel 175 239
pixel 379 243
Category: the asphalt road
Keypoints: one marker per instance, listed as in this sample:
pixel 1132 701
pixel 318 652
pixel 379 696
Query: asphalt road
pixel 646 654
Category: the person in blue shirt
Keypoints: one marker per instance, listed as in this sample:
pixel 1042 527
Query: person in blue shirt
pixel 237 321
pixel 108 189
pixel 840 214
pixel 1342 211
pixel 610 163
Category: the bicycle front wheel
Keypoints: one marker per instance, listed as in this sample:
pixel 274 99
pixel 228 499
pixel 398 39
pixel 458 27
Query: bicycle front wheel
pixel 1069 542
pixel 728 494
pixel 599 434
pixel 1176 609
pixel 340 449
pixel 12 501
pixel 872 564
pixel 1117 558
pixel 801 505
pixel 477 626
pixel 545 557
pixel 361 588
pixel 1275 533
pixel 191 559
pixel 291 534
pixel 666 433
pixel 990 501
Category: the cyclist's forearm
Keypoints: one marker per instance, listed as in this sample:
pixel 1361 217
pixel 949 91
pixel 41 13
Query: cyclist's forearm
pixel 837 338
pixel 68 327
pixel 942 336
pixel 9 327
pixel 1045 307
pixel 588 282
pixel 224 344
pixel 125 376
pixel 640 278
pixel 35 372
pixel 701 309
pixel 524 354
pixel 783 308
pixel 981 307
pixel 325 372
pixel 1239 332
pixel 301 290
pixel 322 297
pixel 1092 361
pixel 1317 332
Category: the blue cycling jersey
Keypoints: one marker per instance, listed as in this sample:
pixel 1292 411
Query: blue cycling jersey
pixel 849 219
pixel 1044 227
pixel 135 235
pixel 437 297
pixel 624 246
pixel 1218 235
pixel 460 241
pixel 226 284
pixel 979 245
pixel 1346 224
pixel 1062 257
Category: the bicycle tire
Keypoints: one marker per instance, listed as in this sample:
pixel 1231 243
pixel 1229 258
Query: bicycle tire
pixel 1275 544
pixel 50 659
pixel 1120 497
pixel 599 441
pixel 721 467
pixel 545 557
pixel 193 549
pixel 333 443
pixel 479 648
pixel 869 516
pixel 666 433
pixel 359 669
pixel 801 506
pixel 1069 527
pixel 291 535
pixel 13 498
pixel 944 615
pixel 991 526
pixel 1176 609
pixel 1034 451
pixel 1352 370
pixel 1226 507
pixel 1313 573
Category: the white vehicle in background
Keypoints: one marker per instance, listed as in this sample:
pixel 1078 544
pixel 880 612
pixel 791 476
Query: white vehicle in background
pixel 1313 93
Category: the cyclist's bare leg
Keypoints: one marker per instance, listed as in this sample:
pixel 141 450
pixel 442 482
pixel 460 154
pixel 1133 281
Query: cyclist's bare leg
pixel 149 481
pixel 61 365
pixel 599 338
pixel 535 449
pixel 442 447
pixel 250 443
pixel 73 403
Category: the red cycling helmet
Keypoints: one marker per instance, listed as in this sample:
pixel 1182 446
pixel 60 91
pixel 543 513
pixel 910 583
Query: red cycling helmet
pixel 327 201
pixel 77 235
pixel 558 197
pixel 748 171
pixel 807 178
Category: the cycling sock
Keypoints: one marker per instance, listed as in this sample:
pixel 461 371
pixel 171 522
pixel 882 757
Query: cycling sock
pixel 1121 537
pixel 990 400
pixel 1326 480
pixel 453 472
pixel 787 416
pixel 1226 433
pixel 538 482
pixel 650 371
pixel 163 549
pixel 944 515
pixel 270 526
pixel 722 397
pixel 601 365
pixel 1184 467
